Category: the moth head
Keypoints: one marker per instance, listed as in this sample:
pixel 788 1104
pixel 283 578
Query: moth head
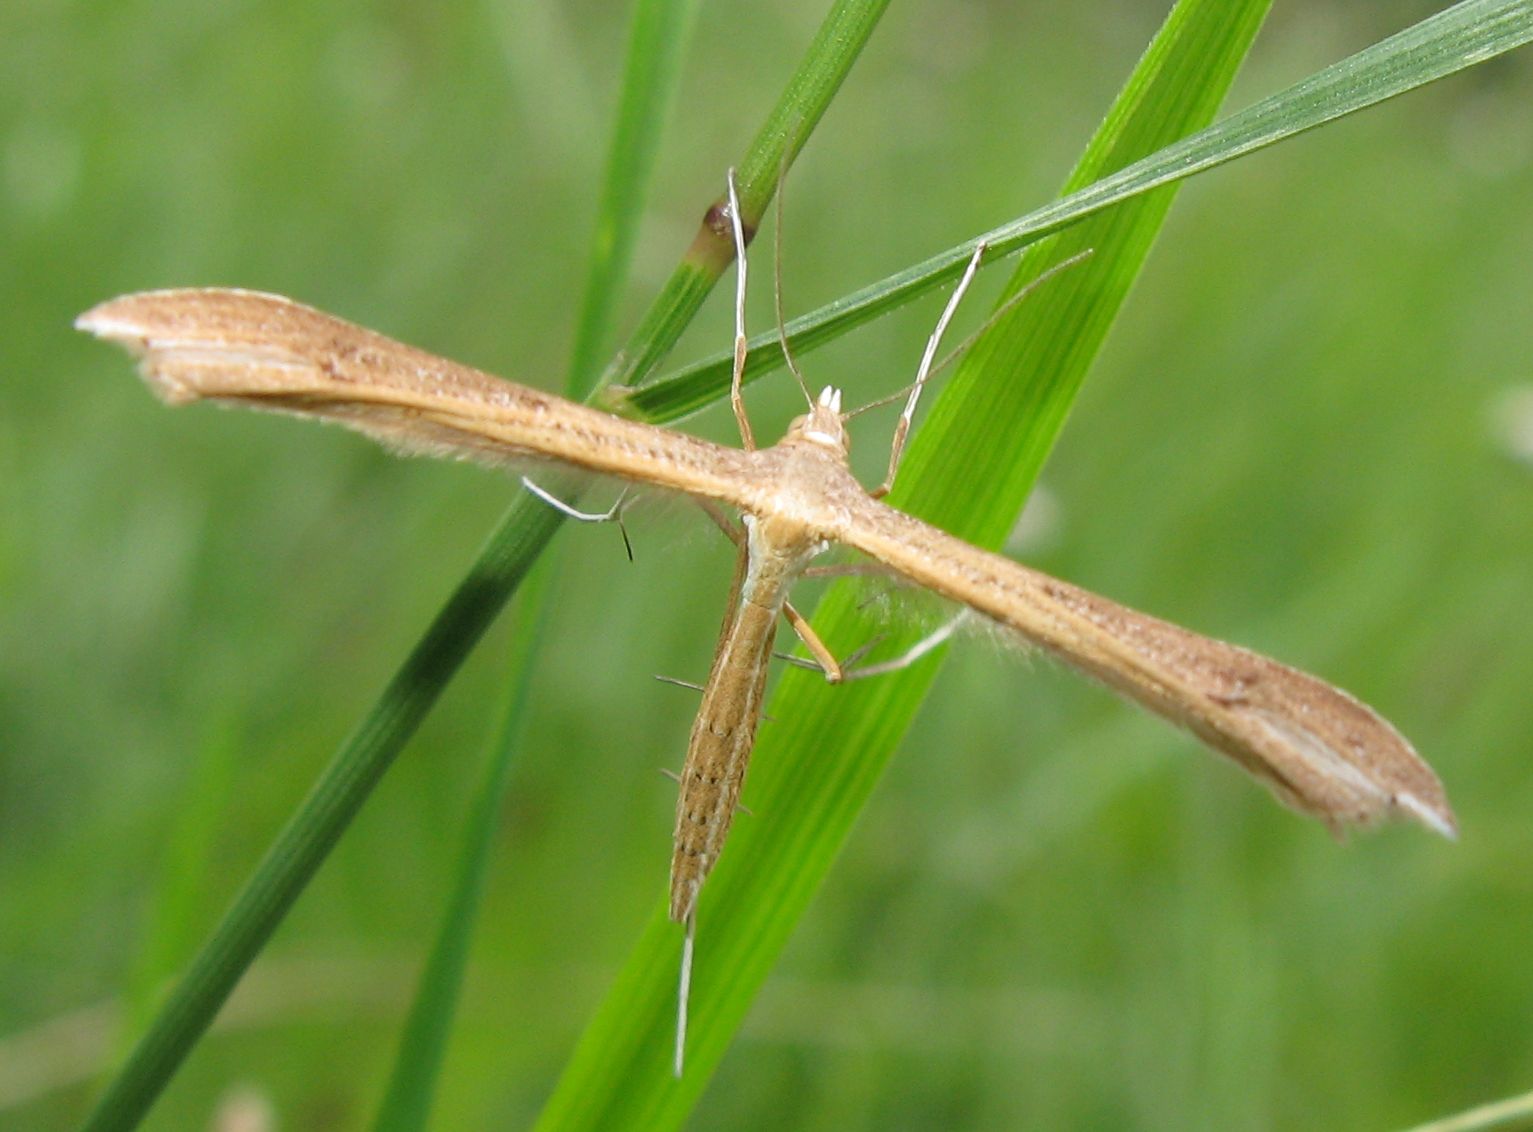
pixel 823 424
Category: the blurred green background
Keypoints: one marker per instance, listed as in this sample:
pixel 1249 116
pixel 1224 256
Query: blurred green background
pixel 1057 912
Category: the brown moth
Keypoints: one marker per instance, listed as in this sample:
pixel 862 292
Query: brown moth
pixel 1318 749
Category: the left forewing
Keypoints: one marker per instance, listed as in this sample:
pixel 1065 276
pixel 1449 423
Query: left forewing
pixel 267 352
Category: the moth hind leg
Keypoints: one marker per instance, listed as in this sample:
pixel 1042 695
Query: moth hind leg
pixel 613 514
pixel 839 672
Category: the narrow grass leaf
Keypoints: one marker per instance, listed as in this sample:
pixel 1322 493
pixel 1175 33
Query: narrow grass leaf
pixel 657 35
pixel 657 42
pixel 423 1045
pixel 1462 36
pixel 816 767
pixel 839 41
pixel 363 758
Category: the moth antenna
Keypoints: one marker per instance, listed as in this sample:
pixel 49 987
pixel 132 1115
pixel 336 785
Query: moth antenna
pixel 777 304
pixel 742 347
pixel 907 414
pixel 959 350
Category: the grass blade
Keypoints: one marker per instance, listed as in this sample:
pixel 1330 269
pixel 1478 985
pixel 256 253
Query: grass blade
pixel 817 766
pixel 312 832
pixel 366 755
pixel 423 1044
pixel 657 37
pixel 1462 36
pixel 657 43
pixel 840 39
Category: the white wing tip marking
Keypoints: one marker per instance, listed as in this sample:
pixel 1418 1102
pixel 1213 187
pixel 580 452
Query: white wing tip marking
pixel 97 322
pixel 1428 815
pixel 684 992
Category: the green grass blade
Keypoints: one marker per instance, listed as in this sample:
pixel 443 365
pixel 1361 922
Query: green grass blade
pixel 1462 36
pixel 840 40
pixel 181 887
pixel 817 765
pixel 360 763
pixel 423 1044
pixel 656 43
pixel 307 839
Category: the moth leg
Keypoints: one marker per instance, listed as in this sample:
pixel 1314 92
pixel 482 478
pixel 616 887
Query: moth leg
pixel 823 658
pixel 849 669
pixel 731 530
pixel 902 428
pixel 914 653
pixel 613 514
pixel 684 992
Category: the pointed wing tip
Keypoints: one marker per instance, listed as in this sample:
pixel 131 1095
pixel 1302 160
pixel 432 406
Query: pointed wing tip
pixel 1434 815
pixel 141 315
pixel 132 321
pixel 135 322
pixel 197 342
pixel 107 321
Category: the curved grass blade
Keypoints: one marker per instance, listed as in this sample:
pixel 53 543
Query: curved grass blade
pixel 841 37
pixel 818 764
pixel 305 842
pixel 658 35
pixel 423 1045
pixel 1462 36
pixel 657 41
pixel 362 759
